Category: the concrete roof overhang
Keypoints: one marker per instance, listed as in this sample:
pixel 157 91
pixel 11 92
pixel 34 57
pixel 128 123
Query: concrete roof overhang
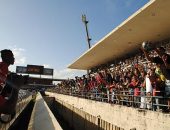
pixel 150 23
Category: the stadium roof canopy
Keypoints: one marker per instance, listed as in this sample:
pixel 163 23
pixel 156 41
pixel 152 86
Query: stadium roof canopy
pixel 150 23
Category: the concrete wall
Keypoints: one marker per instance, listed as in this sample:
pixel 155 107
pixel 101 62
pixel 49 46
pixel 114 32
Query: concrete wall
pixel 77 119
pixel 119 116
pixel 42 117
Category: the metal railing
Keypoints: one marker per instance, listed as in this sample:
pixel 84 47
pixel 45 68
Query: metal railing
pixel 154 103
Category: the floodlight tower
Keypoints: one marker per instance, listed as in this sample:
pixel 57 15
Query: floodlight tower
pixel 84 20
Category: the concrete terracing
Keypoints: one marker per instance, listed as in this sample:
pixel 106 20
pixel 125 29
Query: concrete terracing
pixel 120 116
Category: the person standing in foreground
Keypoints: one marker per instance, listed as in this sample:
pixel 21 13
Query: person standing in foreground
pixel 8 88
pixel 7 60
pixel 163 65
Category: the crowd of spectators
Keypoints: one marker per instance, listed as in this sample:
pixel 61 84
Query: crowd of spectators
pixel 136 81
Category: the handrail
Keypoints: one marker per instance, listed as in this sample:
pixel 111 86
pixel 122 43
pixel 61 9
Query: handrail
pixel 154 103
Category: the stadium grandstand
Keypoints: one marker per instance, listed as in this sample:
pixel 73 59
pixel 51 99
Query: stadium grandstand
pixel 120 72
pixel 127 87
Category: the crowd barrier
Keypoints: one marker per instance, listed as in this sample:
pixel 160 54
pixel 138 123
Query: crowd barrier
pixel 154 103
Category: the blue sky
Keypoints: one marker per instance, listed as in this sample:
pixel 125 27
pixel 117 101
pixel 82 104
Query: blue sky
pixel 51 33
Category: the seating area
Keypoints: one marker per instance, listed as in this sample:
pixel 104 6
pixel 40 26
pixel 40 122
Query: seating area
pixel 133 82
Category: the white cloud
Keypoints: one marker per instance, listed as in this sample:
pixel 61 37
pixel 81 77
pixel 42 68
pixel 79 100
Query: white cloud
pixel 46 65
pixel 68 73
pixel 20 59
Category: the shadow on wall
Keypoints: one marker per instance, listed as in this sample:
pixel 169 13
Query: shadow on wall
pixel 71 118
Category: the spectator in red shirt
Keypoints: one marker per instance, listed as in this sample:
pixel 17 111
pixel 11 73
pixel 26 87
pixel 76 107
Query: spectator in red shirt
pixel 135 88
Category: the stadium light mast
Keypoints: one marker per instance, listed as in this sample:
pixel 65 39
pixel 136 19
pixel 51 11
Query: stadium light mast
pixel 84 20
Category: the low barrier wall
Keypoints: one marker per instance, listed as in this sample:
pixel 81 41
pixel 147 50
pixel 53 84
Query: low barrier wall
pixel 42 117
pixel 110 116
pixel 77 119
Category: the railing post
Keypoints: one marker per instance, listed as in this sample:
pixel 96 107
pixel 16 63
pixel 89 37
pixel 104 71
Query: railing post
pixel 152 104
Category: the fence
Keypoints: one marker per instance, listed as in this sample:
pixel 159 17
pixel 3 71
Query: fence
pixel 154 103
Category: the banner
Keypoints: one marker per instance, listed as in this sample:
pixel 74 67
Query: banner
pixel 35 69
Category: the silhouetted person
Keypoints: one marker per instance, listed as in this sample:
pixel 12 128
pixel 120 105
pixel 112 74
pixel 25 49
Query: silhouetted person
pixel 9 84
